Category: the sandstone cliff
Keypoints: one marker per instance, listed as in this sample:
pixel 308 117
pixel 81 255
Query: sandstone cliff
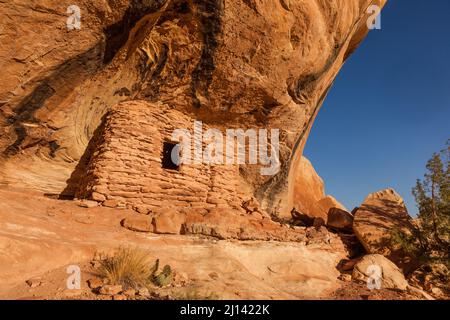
pixel 265 64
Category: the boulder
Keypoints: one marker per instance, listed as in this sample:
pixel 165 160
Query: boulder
pixel 348 265
pixel 327 203
pixel 168 222
pixel 309 195
pixel 300 219
pixel 376 266
pixel 340 219
pixel 138 223
pixel 378 216
pixel 308 189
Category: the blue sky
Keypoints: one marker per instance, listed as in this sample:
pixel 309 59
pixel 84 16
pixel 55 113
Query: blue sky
pixel 389 108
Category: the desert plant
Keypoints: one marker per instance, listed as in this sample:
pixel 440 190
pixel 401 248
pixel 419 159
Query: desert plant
pixel 128 267
pixel 163 278
pixel 430 240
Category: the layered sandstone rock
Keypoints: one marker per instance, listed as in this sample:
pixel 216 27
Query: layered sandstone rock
pixel 381 214
pixel 38 234
pixel 327 203
pixel 309 196
pixel 138 224
pixel 309 188
pixel 257 64
pixel 379 272
pixel 168 222
pixel 127 164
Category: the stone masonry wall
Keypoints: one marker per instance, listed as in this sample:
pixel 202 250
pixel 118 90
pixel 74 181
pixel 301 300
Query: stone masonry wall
pixel 127 165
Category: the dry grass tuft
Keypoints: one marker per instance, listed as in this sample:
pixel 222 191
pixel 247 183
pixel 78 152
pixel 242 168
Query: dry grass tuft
pixel 129 267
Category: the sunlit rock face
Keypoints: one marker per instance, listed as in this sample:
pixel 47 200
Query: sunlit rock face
pixel 230 63
pixel 309 197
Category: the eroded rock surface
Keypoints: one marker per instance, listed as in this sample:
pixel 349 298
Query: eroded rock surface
pixel 309 189
pixel 309 196
pixel 264 64
pixel 379 272
pixel 381 214
pixel 38 235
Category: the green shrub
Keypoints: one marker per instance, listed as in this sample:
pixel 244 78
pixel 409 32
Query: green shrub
pixel 430 240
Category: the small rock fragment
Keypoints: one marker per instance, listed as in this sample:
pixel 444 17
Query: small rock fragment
pixel 143 292
pixel 142 209
pixel 129 292
pixel 110 203
pixel 98 196
pixel 138 223
pixel 33 283
pixel 110 290
pixel 345 277
pixel 88 204
pixel 94 283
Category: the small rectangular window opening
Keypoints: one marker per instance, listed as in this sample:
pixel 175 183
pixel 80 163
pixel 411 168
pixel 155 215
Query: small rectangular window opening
pixel 171 156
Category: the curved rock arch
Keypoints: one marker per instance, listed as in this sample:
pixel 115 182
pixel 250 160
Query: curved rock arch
pixel 226 62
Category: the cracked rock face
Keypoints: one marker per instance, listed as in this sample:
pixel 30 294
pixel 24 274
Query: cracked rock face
pixel 231 63
pixel 379 215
